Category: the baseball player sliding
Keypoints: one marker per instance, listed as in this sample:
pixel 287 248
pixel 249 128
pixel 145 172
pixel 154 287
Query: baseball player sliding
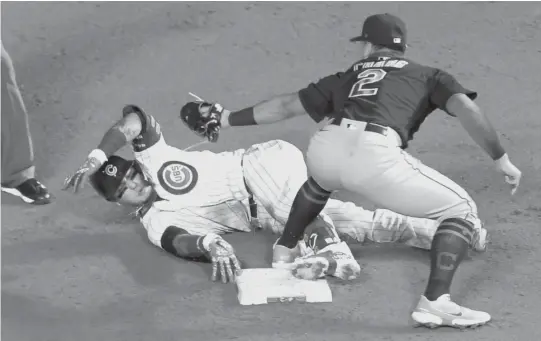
pixel 186 200
pixel 375 107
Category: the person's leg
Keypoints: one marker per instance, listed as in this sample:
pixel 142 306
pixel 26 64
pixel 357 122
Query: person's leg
pixel 274 171
pixel 407 186
pixel 373 165
pixel 355 224
pixel 18 171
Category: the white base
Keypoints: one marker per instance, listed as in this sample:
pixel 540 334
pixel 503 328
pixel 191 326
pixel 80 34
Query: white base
pixel 268 285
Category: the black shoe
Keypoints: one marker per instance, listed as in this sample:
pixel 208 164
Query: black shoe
pixel 31 192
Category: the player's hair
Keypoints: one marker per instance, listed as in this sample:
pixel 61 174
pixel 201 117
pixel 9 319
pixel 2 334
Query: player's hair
pixel 381 48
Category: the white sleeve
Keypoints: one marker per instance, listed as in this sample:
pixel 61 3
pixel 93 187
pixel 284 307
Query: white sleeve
pixel 156 222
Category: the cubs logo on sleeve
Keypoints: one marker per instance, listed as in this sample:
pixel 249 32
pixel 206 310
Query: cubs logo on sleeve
pixel 177 177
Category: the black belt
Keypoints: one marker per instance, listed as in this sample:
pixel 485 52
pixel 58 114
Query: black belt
pixel 371 127
pixel 251 201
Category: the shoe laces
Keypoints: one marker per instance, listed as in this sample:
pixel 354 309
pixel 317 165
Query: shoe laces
pixel 445 297
pixel 446 301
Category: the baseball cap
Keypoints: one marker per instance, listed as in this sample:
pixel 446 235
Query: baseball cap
pixel 385 30
pixel 109 176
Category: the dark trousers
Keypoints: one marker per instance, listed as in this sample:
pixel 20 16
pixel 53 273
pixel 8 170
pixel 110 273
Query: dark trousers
pixel 17 150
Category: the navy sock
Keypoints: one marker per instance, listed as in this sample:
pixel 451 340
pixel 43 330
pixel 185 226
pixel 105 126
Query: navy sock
pixel 449 246
pixel 308 204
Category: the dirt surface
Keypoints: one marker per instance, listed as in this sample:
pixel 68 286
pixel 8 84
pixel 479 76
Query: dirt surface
pixel 80 269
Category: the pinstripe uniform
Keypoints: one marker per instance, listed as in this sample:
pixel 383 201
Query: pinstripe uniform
pixel 203 192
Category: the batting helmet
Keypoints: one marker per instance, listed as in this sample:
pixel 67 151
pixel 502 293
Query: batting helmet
pixel 107 180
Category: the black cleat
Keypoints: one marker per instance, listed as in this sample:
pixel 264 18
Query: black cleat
pixel 31 192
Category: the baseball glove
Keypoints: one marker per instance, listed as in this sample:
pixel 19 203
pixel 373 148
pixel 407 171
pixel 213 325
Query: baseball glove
pixel 203 118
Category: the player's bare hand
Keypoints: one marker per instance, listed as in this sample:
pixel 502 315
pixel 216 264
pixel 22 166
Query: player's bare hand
pixel 78 180
pixel 511 172
pixel 225 264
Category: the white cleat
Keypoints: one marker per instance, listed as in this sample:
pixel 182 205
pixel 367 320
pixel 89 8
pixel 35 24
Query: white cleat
pixel 333 260
pixel 444 312
pixel 284 258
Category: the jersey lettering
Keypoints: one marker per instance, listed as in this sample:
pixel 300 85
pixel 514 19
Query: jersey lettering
pixel 367 77
pixel 177 177
pixel 383 62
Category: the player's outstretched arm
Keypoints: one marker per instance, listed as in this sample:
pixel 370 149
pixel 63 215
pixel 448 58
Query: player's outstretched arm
pixel 476 123
pixel 210 247
pixel 276 109
pixel 206 119
pixel 122 132
pixel 478 126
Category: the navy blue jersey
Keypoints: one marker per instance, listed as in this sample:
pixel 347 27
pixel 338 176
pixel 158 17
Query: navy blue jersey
pixel 384 89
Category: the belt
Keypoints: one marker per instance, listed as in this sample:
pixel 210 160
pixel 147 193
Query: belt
pixel 251 202
pixel 371 127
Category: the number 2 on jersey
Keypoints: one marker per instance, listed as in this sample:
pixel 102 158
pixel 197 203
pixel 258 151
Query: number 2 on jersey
pixel 367 77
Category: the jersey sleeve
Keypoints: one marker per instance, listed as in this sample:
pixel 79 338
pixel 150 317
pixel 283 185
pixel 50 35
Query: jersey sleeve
pixel 317 98
pixel 150 132
pixel 445 86
pixel 156 221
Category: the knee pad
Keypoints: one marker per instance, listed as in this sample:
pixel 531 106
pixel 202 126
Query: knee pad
pixel 458 227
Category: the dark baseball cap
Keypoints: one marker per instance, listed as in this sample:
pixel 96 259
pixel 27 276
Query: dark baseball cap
pixel 385 30
pixel 108 178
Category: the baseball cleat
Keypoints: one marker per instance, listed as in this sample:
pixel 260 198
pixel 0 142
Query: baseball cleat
pixel 31 192
pixel 481 240
pixel 334 260
pixel 444 312
pixel 284 258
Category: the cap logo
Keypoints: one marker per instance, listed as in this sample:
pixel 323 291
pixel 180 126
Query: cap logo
pixel 111 170
pixel 397 40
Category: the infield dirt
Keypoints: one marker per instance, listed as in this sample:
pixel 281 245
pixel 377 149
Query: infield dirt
pixel 81 269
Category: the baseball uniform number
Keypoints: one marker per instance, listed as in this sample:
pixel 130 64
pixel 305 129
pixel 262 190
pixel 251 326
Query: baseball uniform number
pixel 366 77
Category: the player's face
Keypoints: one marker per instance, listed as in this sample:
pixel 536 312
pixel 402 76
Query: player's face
pixel 134 189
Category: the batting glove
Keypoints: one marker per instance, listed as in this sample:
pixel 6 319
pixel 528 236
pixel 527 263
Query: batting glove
pixel 223 258
pixel 78 180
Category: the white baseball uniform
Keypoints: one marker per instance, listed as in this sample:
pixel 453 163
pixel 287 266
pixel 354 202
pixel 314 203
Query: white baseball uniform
pixel 203 192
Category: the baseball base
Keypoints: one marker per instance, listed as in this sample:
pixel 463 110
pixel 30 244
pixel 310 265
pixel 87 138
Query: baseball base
pixel 268 285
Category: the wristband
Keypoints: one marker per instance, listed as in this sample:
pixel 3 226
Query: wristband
pixel 208 239
pixel 99 155
pixel 244 117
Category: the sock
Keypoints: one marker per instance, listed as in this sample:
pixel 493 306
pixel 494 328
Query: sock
pixel 308 204
pixel 449 246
